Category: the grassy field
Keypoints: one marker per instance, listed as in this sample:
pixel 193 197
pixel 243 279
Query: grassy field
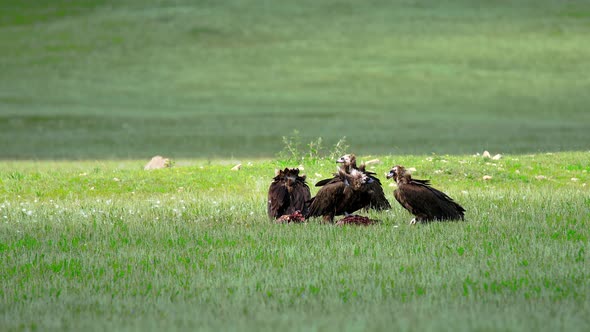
pixel 107 245
pixel 90 90
pixel 203 79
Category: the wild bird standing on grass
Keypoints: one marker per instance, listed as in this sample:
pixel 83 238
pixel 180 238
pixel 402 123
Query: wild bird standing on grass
pixel 374 190
pixel 287 193
pixel 341 195
pixel 423 201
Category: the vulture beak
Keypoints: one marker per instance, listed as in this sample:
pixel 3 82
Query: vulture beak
pixel 391 174
pixel 340 160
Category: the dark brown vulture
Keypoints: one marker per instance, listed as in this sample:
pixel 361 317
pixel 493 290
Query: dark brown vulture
pixel 377 200
pixel 287 193
pixel 423 201
pixel 341 195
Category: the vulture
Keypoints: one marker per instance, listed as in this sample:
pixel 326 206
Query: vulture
pixel 377 200
pixel 343 194
pixel 423 201
pixel 287 193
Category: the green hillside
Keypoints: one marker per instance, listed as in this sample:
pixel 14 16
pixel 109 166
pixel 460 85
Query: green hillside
pixel 128 79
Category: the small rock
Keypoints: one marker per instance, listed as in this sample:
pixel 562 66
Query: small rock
pixel 411 169
pixel 237 167
pixel 373 161
pixel 486 154
pixel 157 162
pixel 487 177
pixel 497 157
pixel 575 179
pixel 540 177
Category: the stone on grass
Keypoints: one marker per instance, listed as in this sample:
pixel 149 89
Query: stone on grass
pixel 157 162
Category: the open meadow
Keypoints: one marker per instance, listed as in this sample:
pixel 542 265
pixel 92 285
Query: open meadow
pixel 107 245
pixel 90 90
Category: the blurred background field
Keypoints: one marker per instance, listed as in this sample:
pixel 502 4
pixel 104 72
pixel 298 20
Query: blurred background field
pixel 221 79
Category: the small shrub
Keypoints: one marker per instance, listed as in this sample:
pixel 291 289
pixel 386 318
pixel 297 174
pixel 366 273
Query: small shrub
pixel 293 150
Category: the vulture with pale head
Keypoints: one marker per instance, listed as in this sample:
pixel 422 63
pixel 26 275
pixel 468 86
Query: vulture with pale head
pixel 287 193
pixel 341 195
pixel 423 201
pixel 374 190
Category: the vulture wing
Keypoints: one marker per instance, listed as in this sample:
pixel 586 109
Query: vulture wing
pixel 375 191
pixel 278 199
pixel 327 201
pixel 416 181
pixel 324 182
pixel 427 203
pixel 446 208
pixel 377 196
pixel 298 196
pixel 370 174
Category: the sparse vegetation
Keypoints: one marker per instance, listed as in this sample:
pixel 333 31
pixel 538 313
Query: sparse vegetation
pixel 294 152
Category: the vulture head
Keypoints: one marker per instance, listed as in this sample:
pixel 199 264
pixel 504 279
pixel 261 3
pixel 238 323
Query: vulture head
pixel 397 173
pixel 290 176
pixel 348 161
pixel 354 179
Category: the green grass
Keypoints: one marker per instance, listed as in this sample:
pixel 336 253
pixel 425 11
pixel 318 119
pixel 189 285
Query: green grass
pixel 106 245
pixel 203 79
